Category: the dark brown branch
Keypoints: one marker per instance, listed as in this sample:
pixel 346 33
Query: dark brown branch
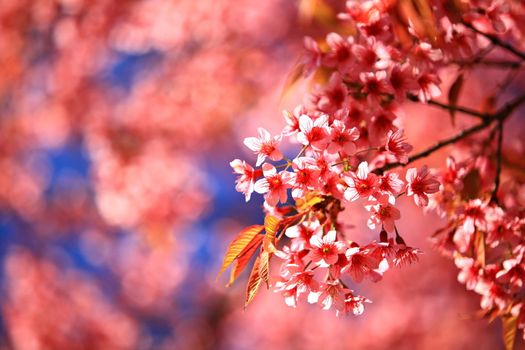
pixel 499 116
pixel 492 63
pixel 464 110
pixel 496 41
pixel 494 196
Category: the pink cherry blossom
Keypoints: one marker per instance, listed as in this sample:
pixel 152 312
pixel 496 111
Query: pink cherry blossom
pixel 340 54
pixel 353 304
pixel 325 250
pixel 331 98
pixel 274 184
pixel 382 213
pixel 331 293
pixel 397 145
pixel 244 182
pixel 298 283
pixel 375 85
pixel 361 184
pixel 306 176
pixel 419 184
pixel 264 146
pixel 342 139
pixel 372 55
pixel 360 263
pixel 391 185
pixel 313 133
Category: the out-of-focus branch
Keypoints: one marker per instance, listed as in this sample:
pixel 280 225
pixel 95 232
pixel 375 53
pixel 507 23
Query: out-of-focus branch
pixel 492 63
pixel 496 41
pixel 464 110
pixel 499 117
pixel 494 195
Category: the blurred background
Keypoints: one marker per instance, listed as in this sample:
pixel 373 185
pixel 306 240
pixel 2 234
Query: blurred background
pixel 118 120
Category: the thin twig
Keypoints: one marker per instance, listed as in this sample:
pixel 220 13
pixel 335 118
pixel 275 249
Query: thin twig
pixel 496 41
pixel 499 116
pixel 464 110
pixel 494 196
pixel 492 63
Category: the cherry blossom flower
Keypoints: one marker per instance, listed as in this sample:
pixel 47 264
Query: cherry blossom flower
pixel 372 55
pixel 391 185
pixel 333 97
pixel 331 293
pixel 469 273
pixel 429 86
pixel 306 176
pixel 313 133
pixel 340 54
pixel 245 182
pixel 303 232
pixel 406 255
pixel 342 139
pixel 274 184
pixel 382 213
pixel 353 304
pixel 313 56
pixel 419 184
pixel 299 283
pixel 360 263
pixel 402 80
pixel 361 184
pixel 397 145
pixel 325 250
pixel 375 85
pixel 264 146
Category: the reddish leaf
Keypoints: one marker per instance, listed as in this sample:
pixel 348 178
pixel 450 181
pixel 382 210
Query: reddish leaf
pixel 479 246
pixel 264 267
pixel 309 201
pixel 427 19
pixel 271 226
pixel 316 10
pixel 453 96
pixel 244 258
pixel 471 185
pixel 239 243
pixel 510 323
pixel 253 282
pixel 292 78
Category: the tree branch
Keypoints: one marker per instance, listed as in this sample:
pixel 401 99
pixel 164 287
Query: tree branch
pixel 494 195
pixel 499 116
pixel 464 110
pixel 496 41
pixel 492 63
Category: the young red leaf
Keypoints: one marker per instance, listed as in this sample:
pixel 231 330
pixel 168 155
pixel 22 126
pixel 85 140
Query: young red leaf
pixel 510 323
pixel 479 245
pixel 271 226
pixel 253 282
pixel 264 266
pixel 292 78
pixel 238 244
pixel 244 257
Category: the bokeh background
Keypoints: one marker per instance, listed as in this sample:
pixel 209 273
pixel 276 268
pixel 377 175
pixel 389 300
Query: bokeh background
pixel 118 120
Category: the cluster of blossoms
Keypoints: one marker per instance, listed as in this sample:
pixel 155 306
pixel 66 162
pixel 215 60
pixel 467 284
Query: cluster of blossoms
pixel 350 138
pixel 485 236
